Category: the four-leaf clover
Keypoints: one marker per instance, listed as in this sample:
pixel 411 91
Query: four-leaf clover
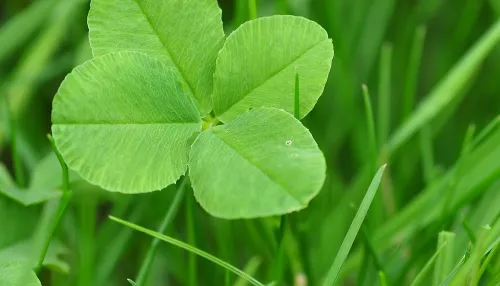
pixel 126 119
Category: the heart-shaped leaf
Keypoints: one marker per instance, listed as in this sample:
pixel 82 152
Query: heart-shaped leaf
pixel 263 163
pixel 17 274
pixel 184 34
pixel 259 61
pixel 122 121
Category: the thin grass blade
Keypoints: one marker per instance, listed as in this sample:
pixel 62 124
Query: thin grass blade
pixel 334 271
pixel 445 92
pixel 191 249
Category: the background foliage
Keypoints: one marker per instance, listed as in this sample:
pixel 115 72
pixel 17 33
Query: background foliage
pixel 432 69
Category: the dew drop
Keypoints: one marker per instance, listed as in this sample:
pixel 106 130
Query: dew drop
pixel 288 142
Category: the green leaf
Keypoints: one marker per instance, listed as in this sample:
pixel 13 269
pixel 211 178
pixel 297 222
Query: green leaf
pixel 185 34
pixel 122 122
pixel 257 66
pixel 261 164
pixel 17 274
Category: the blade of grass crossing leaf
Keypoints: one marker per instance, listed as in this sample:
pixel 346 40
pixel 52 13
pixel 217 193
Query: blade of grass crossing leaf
pixel 412 71
pixel 191 237
pixel 169 216
pixel 420 278
pixel 445 260
pixel 63 203
pixel 384 94
pixel 371 126
pixel 353 229
pixel 448 88
pixel 132 282
pixel 190 248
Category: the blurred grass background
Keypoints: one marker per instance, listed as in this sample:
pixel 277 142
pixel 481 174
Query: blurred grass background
pixel 432 68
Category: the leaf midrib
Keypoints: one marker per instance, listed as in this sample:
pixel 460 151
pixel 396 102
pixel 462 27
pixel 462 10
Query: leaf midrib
pixel 260 169
pixel 274 75
pixel 165 46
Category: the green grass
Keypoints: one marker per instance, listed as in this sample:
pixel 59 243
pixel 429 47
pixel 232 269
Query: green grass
pixel 432 114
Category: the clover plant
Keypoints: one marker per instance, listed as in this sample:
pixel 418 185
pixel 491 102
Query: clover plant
pixel 167 92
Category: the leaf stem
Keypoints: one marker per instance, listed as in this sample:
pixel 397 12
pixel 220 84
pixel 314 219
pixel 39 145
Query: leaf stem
pixel 169 216
pixel 63 203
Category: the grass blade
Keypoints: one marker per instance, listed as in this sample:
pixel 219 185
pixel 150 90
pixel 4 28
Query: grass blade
pixel 412 72
pixel 445 92
pixel 371 126
pixel 63 203
pixel 487 261
pixel 188 247
pixel 384 94
pixel 171 213
pixel 419 279
pixel 353 229
pixel 445 260
pixel 191 237
pixel 19 29
pixel 251 268
pixel 252 9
